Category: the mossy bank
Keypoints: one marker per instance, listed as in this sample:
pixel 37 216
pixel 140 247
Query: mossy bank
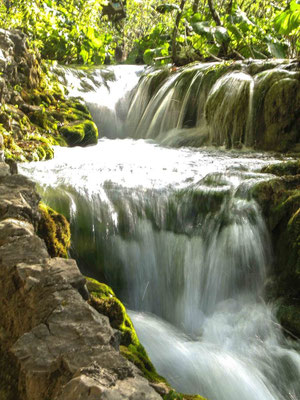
pixel 279 199
pixel 35 113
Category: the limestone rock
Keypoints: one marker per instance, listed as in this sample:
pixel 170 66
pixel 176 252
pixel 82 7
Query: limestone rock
pixel 53 344
pixel 18 198
pixel 4 168
pixel 95 383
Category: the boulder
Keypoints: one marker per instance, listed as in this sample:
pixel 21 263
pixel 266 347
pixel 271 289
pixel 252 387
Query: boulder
pixel 80 132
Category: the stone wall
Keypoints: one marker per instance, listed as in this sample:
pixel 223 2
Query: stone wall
pixel 53 344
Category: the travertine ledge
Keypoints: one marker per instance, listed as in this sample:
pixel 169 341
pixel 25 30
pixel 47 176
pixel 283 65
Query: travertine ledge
pixel 53 345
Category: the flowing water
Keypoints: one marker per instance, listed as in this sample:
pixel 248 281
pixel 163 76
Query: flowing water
pixel 177 235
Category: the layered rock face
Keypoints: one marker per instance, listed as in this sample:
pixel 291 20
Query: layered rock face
pixel 53 344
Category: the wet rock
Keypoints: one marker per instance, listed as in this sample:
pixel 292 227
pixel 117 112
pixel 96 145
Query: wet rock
pixel 55 230
pixel 53 344
pixel 4 169
pixel 279 199
pixel 80 132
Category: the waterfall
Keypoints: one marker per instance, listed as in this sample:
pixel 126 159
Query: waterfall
pixel 230 104
pixel 105 91
pixel 175 231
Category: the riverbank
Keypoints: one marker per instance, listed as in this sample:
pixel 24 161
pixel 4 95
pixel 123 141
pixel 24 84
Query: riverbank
pixel 54 345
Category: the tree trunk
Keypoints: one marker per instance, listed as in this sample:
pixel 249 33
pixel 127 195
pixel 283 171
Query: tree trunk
pixel 224 48
pixel 214 13
pixel 195 6
pixel 175 30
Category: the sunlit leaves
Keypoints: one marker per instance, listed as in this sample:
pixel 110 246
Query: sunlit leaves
pixel 165 8
pixel 65 30
pixel 288 20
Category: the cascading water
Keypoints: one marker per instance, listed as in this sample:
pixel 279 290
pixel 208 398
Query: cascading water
pixel 176 234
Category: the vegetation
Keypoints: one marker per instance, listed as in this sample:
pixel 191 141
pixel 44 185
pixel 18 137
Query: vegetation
pixel 105 301
pixel 55 230
pixel 279 199
pixel 93 32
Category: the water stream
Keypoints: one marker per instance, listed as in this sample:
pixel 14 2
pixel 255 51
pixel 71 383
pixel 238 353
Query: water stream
pixel 177 235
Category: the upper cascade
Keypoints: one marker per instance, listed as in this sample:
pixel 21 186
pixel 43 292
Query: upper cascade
pixel 235 104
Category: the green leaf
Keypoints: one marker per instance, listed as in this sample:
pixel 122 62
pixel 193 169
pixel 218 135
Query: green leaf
pixel 196 18
pixel 288 20
pixel 149 55
pixel 204 29
pixel 166 8
pixel 85 55
pixel 221 34
pixel 294 6
pixel 235 31
pixel 278 50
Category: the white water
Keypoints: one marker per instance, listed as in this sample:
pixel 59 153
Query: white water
pixel 176 234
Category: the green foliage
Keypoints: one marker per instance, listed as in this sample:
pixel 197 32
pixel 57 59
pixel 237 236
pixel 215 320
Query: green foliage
pixel 288 20
pixel 66 30
pixel 165 8
pixel 104 300
pixel 80 31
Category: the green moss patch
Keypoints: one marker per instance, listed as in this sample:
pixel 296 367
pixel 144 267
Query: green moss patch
pixel 282 169
pixel 172 395
pixel 105 302
pixel 43 111
pixel 80 132
pixel 54 229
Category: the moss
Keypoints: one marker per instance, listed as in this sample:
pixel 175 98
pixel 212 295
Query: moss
pixel 276 105
pixel 172 395
pixel 105 302
pixel 80 133
pixel 43 119
pixel 54 229
pixel 8 376
pixel 227 110
pixel 157 78
pixel 289 317
pixel 280 200
pixel 282 169
pixel 42 110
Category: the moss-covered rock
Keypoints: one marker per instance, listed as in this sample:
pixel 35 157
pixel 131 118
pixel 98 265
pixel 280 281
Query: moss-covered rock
pixel 172 395
pixel 80 132
pixel 105 301
pixel 34 104
pixel 284 168
pixel 227 110
pixel 54 229
pixel 276 109
pixel 280 202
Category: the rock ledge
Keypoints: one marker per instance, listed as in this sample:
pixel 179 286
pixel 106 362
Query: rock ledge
pixel 53 344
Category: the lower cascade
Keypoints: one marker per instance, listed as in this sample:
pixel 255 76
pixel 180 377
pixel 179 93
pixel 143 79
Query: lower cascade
pixel 178 236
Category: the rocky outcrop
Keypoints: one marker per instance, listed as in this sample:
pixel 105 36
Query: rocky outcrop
pixel 53 344
pixel 280 201
pixel 34 112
